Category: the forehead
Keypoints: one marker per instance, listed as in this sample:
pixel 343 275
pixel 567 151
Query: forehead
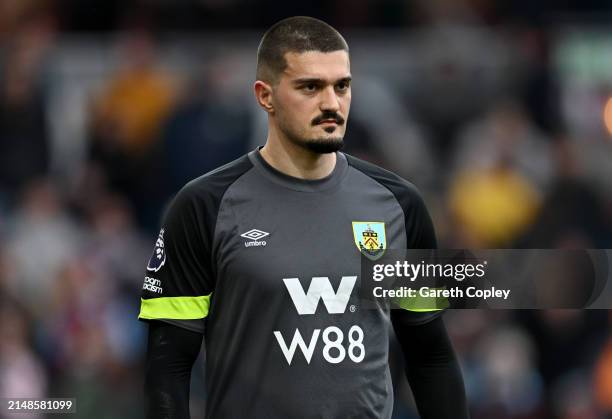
pixel 317 65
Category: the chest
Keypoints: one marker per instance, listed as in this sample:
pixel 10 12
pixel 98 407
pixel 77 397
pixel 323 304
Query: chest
pixel 287 234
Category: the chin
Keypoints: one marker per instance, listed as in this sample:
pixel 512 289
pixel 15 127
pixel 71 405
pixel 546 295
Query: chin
pixel 324 145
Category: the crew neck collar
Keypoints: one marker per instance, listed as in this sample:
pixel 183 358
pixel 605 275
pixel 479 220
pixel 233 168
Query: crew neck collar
pixel 299 184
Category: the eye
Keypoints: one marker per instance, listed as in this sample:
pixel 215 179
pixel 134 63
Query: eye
pixel 310 87
pixel 343 86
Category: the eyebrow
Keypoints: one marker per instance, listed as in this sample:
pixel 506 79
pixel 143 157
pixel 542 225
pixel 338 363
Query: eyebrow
pixel 320 81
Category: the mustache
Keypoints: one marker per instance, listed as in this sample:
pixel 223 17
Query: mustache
pixel 328 115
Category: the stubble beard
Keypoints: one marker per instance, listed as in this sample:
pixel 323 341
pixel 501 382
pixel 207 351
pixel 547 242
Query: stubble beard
pixel 321 145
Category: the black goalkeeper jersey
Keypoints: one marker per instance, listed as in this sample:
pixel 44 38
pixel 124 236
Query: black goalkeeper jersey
pixel 267 267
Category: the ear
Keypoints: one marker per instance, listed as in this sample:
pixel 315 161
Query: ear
pixel 263 94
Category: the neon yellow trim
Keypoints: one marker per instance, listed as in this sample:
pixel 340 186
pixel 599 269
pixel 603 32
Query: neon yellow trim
pixel 422 304
pixel 179 308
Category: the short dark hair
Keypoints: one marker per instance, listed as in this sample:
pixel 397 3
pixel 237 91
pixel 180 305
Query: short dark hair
pixel 295 34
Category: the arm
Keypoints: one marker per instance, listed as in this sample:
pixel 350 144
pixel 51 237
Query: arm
pixel 431 367
pixel 175 298
pixel 171 352
pixel 178 288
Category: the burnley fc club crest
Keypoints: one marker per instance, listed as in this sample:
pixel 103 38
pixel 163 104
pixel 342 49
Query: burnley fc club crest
pixel 370 238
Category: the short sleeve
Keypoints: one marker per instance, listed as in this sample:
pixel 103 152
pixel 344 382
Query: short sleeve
pixel 179 280
pixel 420 231
pixel 420 234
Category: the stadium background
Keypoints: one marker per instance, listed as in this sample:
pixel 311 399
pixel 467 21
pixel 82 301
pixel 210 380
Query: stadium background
pixel 501 113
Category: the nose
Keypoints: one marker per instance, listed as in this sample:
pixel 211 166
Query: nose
pixel 329 100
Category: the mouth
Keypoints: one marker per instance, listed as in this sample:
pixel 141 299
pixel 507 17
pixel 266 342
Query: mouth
pixel 328 121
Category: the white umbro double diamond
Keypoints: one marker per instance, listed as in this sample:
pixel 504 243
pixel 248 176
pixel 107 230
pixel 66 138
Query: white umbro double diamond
pixel 255 235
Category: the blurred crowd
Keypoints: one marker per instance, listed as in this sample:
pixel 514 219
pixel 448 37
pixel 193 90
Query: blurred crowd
pixel 105 112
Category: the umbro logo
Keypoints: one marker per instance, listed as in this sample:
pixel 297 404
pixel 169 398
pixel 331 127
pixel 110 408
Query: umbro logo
pixel 254 236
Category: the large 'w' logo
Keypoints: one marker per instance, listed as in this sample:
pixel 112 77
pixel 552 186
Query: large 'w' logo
pixel 335 302
pixel 320 288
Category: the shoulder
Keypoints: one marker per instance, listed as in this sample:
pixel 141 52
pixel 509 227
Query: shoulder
pixel 418 224
pixel 207 191
pixel 404 191
pixel 218 180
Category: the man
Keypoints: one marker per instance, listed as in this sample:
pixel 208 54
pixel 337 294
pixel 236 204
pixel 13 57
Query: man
pixel 247 252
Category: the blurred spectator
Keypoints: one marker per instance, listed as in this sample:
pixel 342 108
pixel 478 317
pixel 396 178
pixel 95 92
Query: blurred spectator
pixel 506 134
pixel 566 340
pixel 23 127
pixel 458 71
pixel 126 126
pixel 508 382
pixel 41 238
pixel 502 169
pixel 130 111
pixel 572 213
pixel 491 207
pixel 21 372
pixel 115 246
pixel 15 15
pixel 573 397
pixel 210 126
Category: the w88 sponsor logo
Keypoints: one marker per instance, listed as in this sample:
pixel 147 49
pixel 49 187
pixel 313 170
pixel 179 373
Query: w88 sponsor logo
pixel 335 302
pixel 333 349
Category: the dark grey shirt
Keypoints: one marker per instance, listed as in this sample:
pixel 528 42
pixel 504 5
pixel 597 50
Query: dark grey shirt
pixel 267 267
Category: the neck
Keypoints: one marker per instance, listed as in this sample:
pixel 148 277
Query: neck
pixel 294 160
